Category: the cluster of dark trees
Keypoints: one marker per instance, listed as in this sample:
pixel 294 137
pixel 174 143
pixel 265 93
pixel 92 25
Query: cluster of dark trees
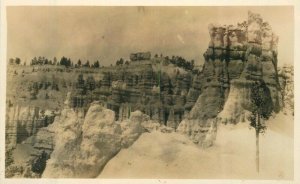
pixel 64 61
pixel 181 62
pixel 67 62
pixel 84 85
pixel 176 60
pixel 43 61
pixel 87 64
pixel 121 62
pixel 36 86
pixel 15 61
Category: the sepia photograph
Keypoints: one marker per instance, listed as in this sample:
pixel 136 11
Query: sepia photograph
pixel 149 92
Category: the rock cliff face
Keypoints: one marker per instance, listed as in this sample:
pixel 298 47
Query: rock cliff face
pixel 150 88
pixel 236 57
pixel 23 122
pixel 37 149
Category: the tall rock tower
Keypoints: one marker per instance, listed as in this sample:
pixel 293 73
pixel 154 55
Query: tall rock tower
pixel 236 57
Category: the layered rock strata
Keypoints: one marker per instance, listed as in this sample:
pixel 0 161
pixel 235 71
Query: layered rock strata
pixel 236 57
pixel 151 90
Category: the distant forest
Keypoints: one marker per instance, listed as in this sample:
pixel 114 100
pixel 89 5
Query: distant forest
pixel 67 62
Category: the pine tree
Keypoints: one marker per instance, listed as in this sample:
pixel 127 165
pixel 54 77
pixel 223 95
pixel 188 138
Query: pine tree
pixel 96 64
pixel 79 63
pixel 18 61
pixel 87 64
pixel 262 107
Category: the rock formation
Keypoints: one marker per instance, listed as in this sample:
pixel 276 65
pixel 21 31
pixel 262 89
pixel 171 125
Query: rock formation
pixel 149 88
pixel 286 80
pixel 83 145
pixel 23 122
pixel 236 57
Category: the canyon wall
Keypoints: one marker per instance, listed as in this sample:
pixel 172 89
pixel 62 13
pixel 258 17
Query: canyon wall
pixel 157 89
pixel 141 96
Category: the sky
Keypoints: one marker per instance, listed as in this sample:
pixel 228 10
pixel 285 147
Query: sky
pixel 109 33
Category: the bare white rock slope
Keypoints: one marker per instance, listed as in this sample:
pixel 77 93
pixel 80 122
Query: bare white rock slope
pixel 83 145
pixel 173 155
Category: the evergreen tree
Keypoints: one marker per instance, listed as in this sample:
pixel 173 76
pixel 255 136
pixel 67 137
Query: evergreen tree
pixel 96 64
pixel 69 63
pixel 65 62
pixel 18 61
pixel 87 64
pixel 79 63
pixel 262 107
pixel 121 61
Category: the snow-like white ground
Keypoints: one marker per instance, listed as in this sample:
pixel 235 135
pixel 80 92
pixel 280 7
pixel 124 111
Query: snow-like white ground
pixel 172 155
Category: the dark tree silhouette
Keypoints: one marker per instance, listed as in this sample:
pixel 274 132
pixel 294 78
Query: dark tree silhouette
pixel 262 108
pixel 69 63
pixel 96 64
pixel 79 63
pixel 120 62
pixel 87 64
pixel 18 61
pixel 63 61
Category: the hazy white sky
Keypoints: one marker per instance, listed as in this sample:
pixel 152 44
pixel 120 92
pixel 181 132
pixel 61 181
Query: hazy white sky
pixel 108 33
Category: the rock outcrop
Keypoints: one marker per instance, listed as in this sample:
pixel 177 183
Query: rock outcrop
pixel 83 145
pixel 286 80
pixel 237 56
pixel 37 150
pixel 23 122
